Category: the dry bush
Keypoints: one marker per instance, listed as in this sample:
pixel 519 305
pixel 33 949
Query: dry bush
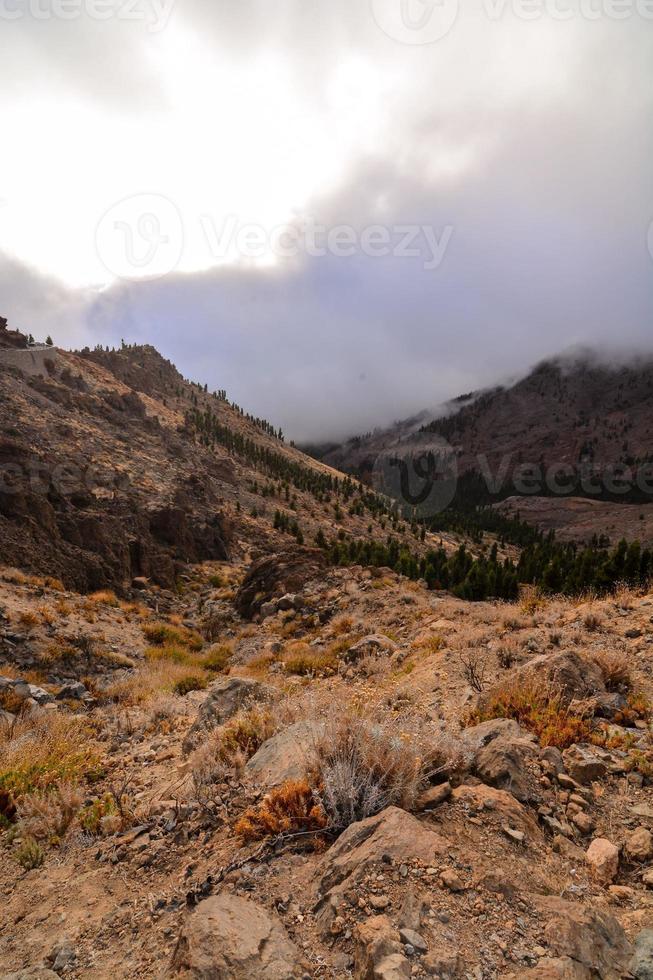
pixel 28 619
pixel 430 644
pixel 342 624
pixel 625 596
pixel 593 623
pixel 474 663
pixel 362 764
pixel 616 671
pixel 217 658
pixel 292 809
pixel 227 748
pixel 30 854
pixel 513 624
pixel 532 601
pixel 507 653
pixel 47 816
pixel 190 682
pixel 539 708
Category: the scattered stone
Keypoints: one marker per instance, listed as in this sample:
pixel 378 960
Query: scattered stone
pixel 451 880
pixel 443 962
pixel 392 837
pixel 412 938
pixel 379 954
pixel 639 845
pixel 583 822
pixel 603 857
pixel 516 835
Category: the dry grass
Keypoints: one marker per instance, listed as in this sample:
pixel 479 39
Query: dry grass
pixel 301 659
pixel 39 752
pixel 47 816
pixel 538 708
pixel 104 597
pixel 162 634
pixel 593 623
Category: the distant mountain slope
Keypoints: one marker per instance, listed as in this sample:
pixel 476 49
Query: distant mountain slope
pixel 568 415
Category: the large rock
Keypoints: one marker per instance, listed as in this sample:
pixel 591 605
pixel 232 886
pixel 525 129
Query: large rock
pixel 503 763
pixel 587 936
pixel 478 736
pixel 224 699
pixel 573 676
pixel 393 836
pixel 284 756
pixel 603 858
pixel 585 763
pixel 641 965
pixel 370 646
pixel 277 575
pixel 232 938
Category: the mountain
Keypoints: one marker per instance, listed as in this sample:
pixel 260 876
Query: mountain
pixel 565 432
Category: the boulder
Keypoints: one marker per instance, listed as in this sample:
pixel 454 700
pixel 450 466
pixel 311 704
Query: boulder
pixel 585 763
pixel 444 961
pixel 225 697
pixel 477 736
pixel 641 965
pixel 284 756
pixel 586 935
pixel 568 672
pixel 233 938
pixel 603 858
pixel 503 763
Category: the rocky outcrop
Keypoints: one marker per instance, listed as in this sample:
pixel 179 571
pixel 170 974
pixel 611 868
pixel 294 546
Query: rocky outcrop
pixel 277 575
pixel 393 836
pixel 232 938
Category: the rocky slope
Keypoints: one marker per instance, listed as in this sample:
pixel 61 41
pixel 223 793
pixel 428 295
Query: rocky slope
pixel 503 848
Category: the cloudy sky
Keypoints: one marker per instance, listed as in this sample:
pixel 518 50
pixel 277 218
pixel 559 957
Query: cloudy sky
pixel 343 211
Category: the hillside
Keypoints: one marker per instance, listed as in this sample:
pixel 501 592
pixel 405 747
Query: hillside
pixel 116 468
